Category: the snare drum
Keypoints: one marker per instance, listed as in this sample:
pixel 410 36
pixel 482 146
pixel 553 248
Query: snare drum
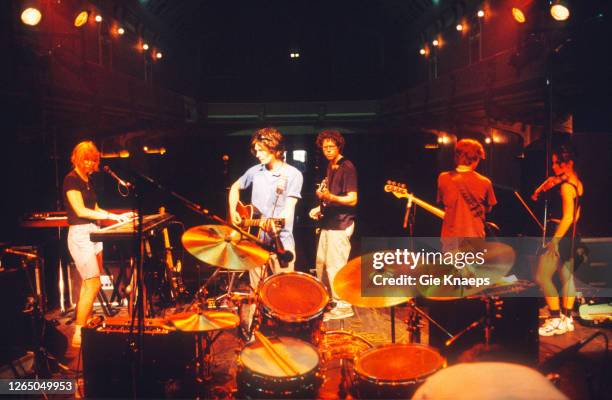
pixel 259 376
pixel 292 304
pixel 395 370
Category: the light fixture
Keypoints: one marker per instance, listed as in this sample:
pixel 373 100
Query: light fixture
pixel 480 13
pixel 31 16
pixel 435 42
pixel 488 140
pixel 145 46
pixel 159 55
pixel 519 15
pixel 459 27
pixel 81 18
pixel 98 18
pixel 422 51
pixel 559 10
pixel 120 30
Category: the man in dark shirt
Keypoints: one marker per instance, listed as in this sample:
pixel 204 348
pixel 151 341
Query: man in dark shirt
pixel 336 214
pixel 467 196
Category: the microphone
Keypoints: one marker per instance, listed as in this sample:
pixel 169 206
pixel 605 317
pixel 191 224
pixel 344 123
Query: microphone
pixel 555 361
pixel 284 256
pixel 114 175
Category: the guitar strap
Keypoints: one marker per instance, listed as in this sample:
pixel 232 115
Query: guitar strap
pixel 476 208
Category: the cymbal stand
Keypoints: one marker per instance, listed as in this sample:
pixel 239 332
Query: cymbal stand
pixel 491 305
pixel 413 323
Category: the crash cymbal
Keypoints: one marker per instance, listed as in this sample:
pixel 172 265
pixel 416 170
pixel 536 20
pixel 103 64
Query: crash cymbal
pixel 498 260
pixel 223 247
pixel 347 285
pixel 204 321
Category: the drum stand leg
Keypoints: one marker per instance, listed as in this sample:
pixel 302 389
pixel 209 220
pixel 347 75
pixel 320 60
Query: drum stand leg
pixel 203 364
pixel 423 314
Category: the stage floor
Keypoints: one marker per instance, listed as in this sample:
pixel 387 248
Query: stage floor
pixel 374 326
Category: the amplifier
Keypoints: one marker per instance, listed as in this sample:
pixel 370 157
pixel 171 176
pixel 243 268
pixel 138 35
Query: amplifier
pixel 109 359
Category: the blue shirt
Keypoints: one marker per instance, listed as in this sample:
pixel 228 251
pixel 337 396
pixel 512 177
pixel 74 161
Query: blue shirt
pixel 270 192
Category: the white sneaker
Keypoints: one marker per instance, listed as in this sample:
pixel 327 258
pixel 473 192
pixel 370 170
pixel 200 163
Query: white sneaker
pixel 553 326
pixel 338 313
pixel 569 322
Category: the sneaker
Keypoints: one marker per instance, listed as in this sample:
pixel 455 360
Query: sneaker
pixel 569 322
pixel 338 313
pixel 553 326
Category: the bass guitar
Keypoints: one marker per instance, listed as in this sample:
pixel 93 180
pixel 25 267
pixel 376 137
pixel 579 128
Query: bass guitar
pixel 399 190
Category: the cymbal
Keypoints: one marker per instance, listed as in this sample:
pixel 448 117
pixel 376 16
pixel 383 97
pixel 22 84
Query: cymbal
pixel 223 247
pixel 499 259
pixel 203 322
pixel 347 285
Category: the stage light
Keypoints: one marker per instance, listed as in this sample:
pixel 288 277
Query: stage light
pixel 159 55
pixel 31 16
pixel 98 18
pixel 459 27
pixel 559 10
pixel 488 140
pixel 518 15
pixel 120 31
pixel 422 52
pixel 81 18
pixel 435 42
pixel 480 13
pixel 145 46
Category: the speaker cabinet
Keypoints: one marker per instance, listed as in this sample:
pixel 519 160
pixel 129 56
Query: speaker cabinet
pixel 111 366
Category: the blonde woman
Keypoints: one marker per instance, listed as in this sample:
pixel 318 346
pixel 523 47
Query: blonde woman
pixel 81 205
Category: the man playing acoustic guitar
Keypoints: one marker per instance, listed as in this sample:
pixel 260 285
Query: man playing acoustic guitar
pixel 336 214
pixel 276 190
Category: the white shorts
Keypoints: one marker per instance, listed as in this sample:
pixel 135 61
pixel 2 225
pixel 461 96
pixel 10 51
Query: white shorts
pixel 83 250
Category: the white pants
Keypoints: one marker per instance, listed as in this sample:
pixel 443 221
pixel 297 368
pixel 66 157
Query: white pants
pixel 333 253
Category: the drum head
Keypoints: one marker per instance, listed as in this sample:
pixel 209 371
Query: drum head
pixel 398 363
pixel 302 356
pixel 293 296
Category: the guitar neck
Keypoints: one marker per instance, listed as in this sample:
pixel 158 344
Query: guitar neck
pixel 247 222
pixel 428 207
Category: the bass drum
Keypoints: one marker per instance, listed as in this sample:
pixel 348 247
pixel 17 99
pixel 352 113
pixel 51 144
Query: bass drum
pixel 292 304
pixel 395 370
pixel 259 375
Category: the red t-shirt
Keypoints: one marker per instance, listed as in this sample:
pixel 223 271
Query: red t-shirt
pixel 459 219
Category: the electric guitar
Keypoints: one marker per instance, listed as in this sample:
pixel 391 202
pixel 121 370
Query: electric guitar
pixel 251 217
pixel 322 187
pixel 399 190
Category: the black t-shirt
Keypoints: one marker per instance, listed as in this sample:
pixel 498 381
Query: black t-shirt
pixel 73 181
pixel 341 180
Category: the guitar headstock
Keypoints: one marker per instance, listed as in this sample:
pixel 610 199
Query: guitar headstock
pixel 397 189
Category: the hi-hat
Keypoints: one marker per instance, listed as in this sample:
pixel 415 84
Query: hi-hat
pixel 347 285
pixel 223 247
pixel 203 322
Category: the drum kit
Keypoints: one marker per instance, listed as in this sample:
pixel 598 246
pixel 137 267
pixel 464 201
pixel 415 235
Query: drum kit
pixel 286 354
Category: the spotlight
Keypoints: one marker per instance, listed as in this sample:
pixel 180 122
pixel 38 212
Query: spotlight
pixel 120 31
pixel 159 55
pixel 518 15
pixel 480 13
pixel 145 46
pixel 488 140
pixel 459 27
pixel 81 18
pixel 435 42
pixel 98 18
pixel 559 10
pixel 422 52
pixel 31 16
